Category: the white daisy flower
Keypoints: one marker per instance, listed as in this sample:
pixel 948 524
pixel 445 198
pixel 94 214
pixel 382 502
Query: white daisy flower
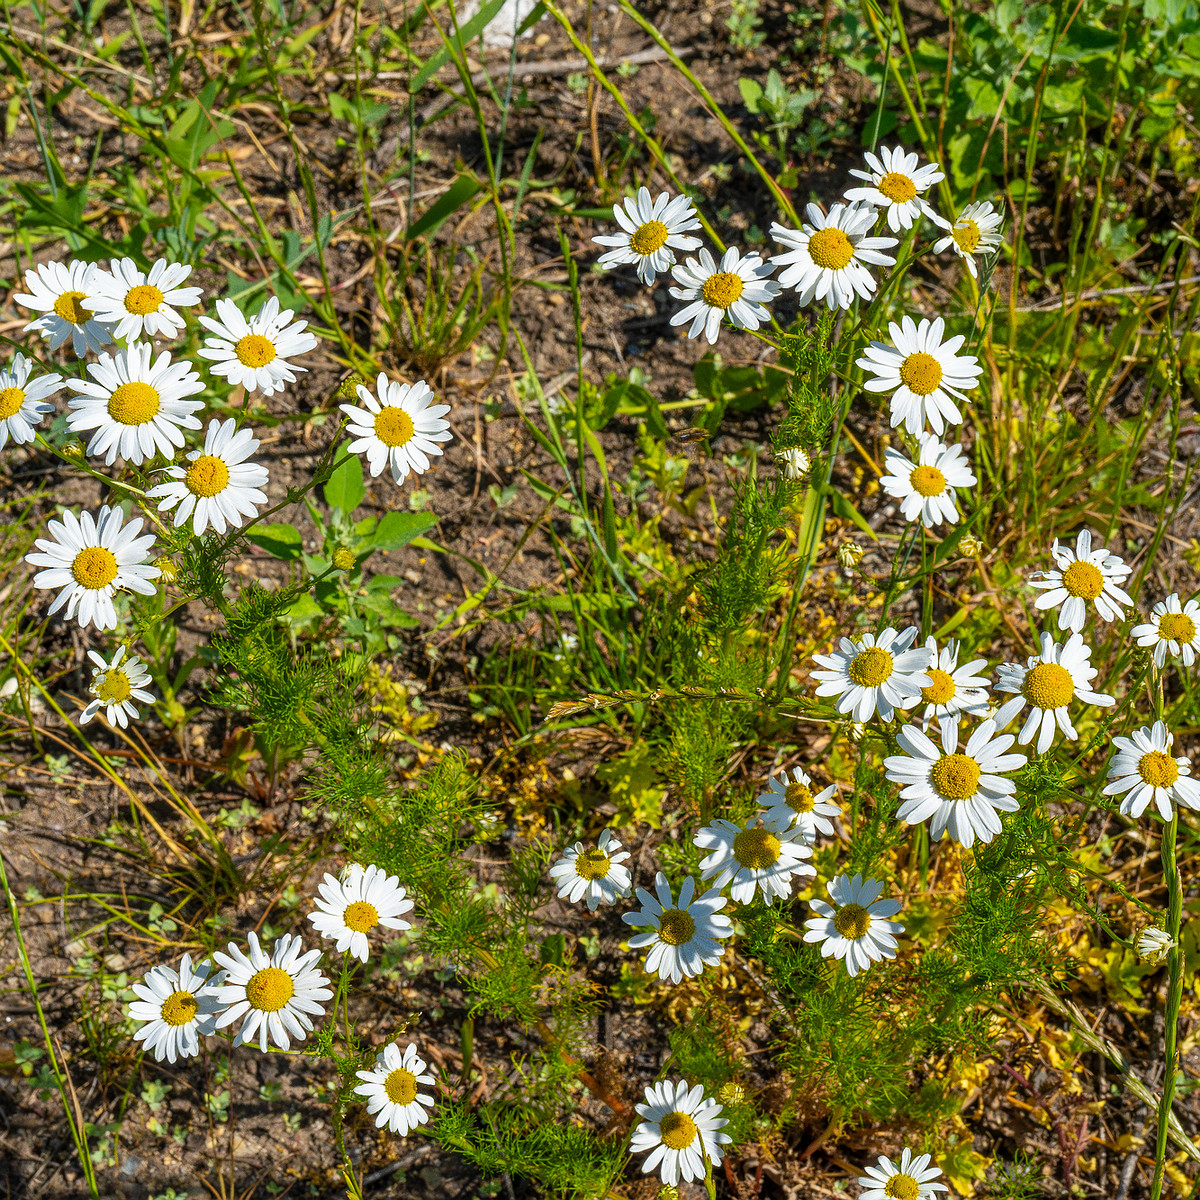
pixel 958 793
pixel 650 230
pixel 1083 574
pixel 1173 628
pixel 896 183
pixel 753 858
pixel 392 1089
pixel 277 995
pixel 1153 943
pixel 827 259
pixel 115 685
pixel 789 803
pixel 924 374
pixel 976 232
pixel 22 402
pixel 955 690
pixel 593 874
pixel 874 674
pixel 1048 683
pixel 178 1008
pixel 89 558
pixel 927 488
pixel 1144 771
pixel 58 291
pixel 738 288
pixel 220 487
pixel 792 463
pixel 137 407
pixel 684 938
pixel 911 1180
pixel 403 427
pixel 855 927
pixel 350 907
pixel 256 353
pixel 134 302
pixel 682 1127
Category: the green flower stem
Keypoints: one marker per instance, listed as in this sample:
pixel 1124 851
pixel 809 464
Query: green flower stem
pixel 1174 998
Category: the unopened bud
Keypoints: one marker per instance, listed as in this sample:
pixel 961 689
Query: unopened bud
pixel 792 463
pixel 731 1093
pixel 970 545
pixel 348 388
pixel 73 448
pixel 166 569
pixel 856 732
pixel 668 1191
pixel 850 554
pixel 1152 944
pixel 343 559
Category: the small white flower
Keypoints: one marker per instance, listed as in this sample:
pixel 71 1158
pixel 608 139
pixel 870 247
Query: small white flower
pixel 1153 943
pixel 874 674
pixel 958 793
pixel 278 996
pixel 682 1127
pixel 855 927
pixel 220 487
pixel 650 231
pixel 827 258
pixel 593 874
pixel 977 231
pixel 137 407
pixel 737 288
pixel 684 938
pixel 955 690
pixel 58 291
pixel 792 463
pixel 392 1092
pixel 115 686
pixel 1083 574
pixel 911 1180
pixel 790 804
pixel 349 908
pixel 134 302
pixel 924 374
pixel 752 858
pixel 896 183
pixel 1144 771
pixel 256 353
pixel 178 1008
pixel 927 488
pixel 403 427
pixel 22 402
pixel 1048 683
pixel 1173 628
pixel 91 558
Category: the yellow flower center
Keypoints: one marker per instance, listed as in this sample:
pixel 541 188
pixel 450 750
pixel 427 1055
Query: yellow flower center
pixel 591 864
pixel 1082 579
pixel 143 299
pixel 94 567
pixel 921 373
pixel 112 687
pixel 1158 769
pixel 852 921
pixel 757 849
pixel 360 916
pixel 966 234
pixel 898 188
pixel 927 481
pixel 393 426
pixel 648 238
pixel 400 1086
pixel 1049 686
pixel 254 350
pixel 1173 627
pixel 134 403
pixel 270 989
pixel 870 667
pixel 902 1187
pixel 179 1008
pixel 941 690
pixel 955 777
pixel 799 798
pixel 11 399
pixel 830 248
pixel 675 927
pixel 207 476
pixel 722 289
pixel 68 307
pixel 677 1130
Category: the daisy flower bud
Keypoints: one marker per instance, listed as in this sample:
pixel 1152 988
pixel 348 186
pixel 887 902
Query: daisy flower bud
pixel 1153 943
pixel 970 545
pixel 792 463
pixel 343 559
pixel 849 555
pixel 167 571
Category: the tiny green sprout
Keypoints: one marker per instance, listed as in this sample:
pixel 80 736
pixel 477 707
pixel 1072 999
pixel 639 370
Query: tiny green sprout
pixel 343 559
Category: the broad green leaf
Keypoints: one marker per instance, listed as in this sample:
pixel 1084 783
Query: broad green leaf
pixel 345 488
pixel 279 541
pixel 396 529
